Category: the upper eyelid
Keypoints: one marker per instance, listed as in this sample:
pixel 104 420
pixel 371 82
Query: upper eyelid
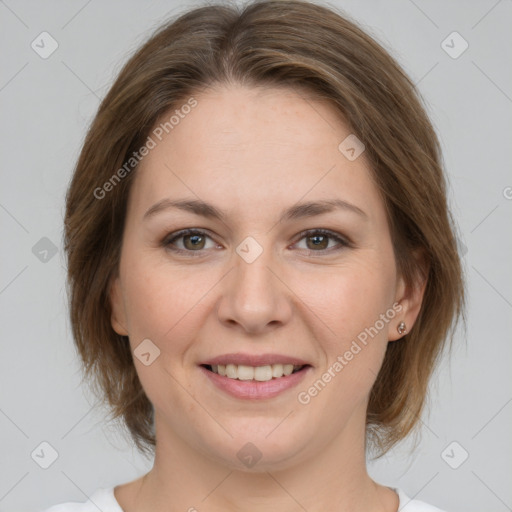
pixel 176 235
pixel 328 232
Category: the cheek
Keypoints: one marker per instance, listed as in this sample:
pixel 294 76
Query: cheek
pixel 351 308
pixel 165 304
pixel 349 299
pixel 163 299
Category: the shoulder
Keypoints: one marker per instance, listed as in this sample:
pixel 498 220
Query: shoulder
pixel 410 505
pixel 102 499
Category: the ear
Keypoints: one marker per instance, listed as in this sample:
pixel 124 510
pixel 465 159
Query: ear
pixel 410 297
pixel 118 316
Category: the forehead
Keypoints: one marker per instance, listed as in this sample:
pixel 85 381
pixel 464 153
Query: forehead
pixel 240 145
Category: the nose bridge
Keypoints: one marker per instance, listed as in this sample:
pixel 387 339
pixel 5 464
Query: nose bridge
pixel 252 281
pixel 253 297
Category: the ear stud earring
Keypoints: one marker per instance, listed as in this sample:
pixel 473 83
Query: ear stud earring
pixel 401 328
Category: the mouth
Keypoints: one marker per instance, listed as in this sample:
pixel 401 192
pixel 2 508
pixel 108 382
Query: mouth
pixel 255 383
pixel 264 373
pixel 255 376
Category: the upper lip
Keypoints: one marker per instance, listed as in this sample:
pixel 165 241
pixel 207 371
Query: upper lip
pixel 254 360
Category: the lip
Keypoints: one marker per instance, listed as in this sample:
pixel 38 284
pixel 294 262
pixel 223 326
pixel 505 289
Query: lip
pixel 254 360
pixel 255 390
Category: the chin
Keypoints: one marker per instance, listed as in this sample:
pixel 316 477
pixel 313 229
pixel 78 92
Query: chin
pixel 255 450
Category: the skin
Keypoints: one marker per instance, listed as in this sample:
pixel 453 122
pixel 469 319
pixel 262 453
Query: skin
pixel 253 153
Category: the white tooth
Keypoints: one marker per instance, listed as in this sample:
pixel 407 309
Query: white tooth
pixel 263 373
pixel 277 370
pixel 231 371
pixel 259 373
pixel 245 372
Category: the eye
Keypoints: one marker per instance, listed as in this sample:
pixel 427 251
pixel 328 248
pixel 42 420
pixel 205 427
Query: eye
pixel 318 240
pixel 188 240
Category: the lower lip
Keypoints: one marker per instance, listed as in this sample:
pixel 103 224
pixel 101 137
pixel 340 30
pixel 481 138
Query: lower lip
pixel 253 389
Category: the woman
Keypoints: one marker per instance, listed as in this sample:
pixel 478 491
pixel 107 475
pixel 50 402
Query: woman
pixel 262 264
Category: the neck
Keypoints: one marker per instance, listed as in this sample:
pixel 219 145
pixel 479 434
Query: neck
pixel 183 478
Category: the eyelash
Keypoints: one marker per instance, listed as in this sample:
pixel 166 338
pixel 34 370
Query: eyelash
pixel 170 239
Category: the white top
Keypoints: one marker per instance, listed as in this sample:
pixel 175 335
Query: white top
pixel 103 499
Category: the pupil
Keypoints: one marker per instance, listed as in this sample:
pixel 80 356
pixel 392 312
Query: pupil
pixel 194 240
pixel 319 241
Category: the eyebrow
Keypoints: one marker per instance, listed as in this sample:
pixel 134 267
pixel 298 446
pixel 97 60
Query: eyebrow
pixel 297 211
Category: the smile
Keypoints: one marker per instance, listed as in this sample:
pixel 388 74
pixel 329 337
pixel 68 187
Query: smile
pixel 255 382
pixel 258 373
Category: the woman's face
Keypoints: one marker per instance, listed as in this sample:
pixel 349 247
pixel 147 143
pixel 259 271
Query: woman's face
pixel 270 272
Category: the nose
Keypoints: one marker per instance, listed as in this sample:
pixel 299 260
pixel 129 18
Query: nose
pixel 254 297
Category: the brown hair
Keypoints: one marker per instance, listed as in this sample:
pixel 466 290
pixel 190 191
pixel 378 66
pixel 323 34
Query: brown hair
pixel 293 44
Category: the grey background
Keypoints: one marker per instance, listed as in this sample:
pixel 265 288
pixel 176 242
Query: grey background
pixel 46 105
